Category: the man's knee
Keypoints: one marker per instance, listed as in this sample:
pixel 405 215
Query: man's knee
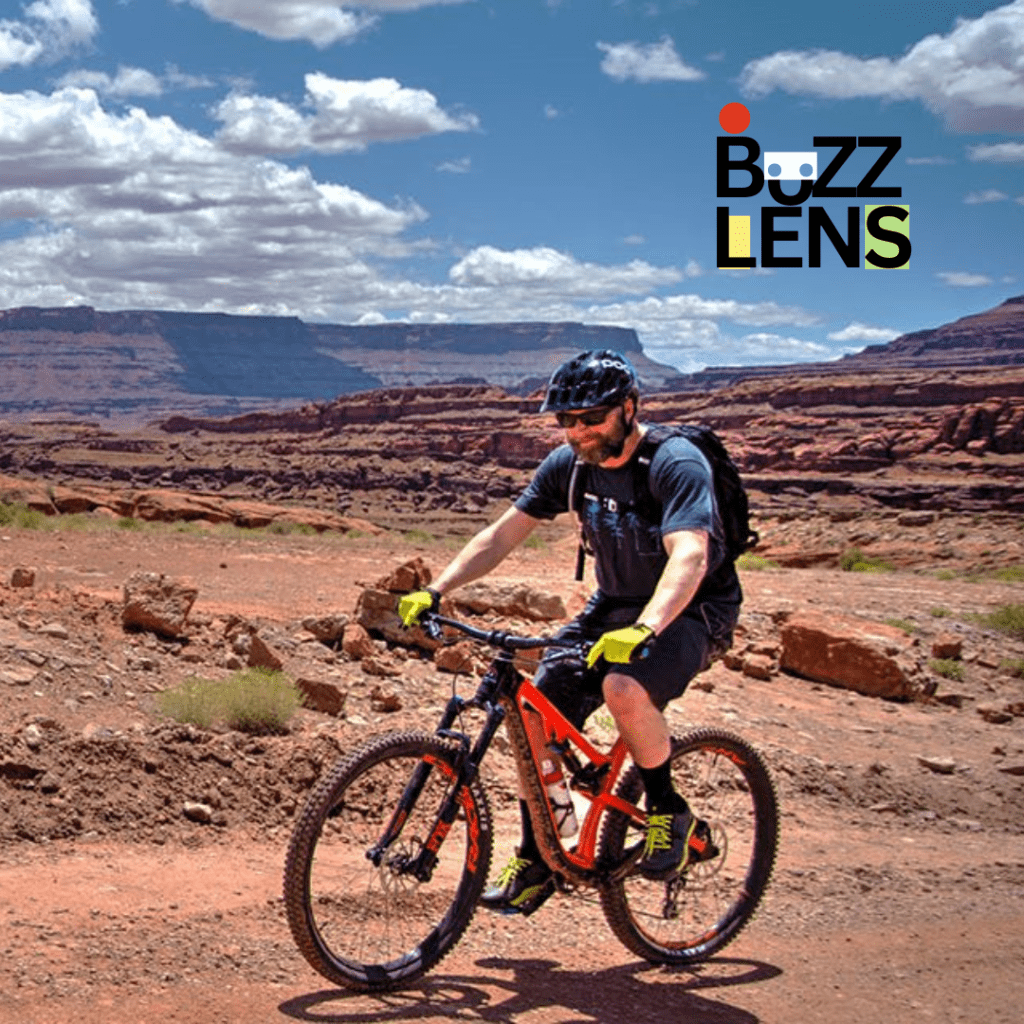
pixel 624 695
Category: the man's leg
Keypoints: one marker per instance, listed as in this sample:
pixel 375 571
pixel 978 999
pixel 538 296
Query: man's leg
pixel 675 836
pixel 526 881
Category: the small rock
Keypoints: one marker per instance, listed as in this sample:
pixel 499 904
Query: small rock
pixel 456 658
pixel 1012 769
pixel 326 698
pixel 946 645
pixel 357 643
pixel 23 578
pixel 411 575
pixel 33 736
pixel 49 783
pixel 14 675
pixel 201 813
pixel 916 518
pixel 94 732
pixel 261 656
pixel 939 765
pixel 328 629
pixel 995 714
pixel 380 665
pixel 385 700
pixel 758 666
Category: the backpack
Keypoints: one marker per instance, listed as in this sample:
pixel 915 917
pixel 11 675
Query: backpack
pixel 730 495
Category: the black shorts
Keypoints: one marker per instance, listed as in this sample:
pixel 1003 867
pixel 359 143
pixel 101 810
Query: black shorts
pixel 679 653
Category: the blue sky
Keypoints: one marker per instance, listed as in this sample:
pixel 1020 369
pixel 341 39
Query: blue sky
pixel 507 160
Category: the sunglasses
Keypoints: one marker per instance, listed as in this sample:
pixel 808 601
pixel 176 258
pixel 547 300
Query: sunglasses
pixel 590 418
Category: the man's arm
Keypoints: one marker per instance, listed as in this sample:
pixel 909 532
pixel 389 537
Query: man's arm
pixel 486 550
pixel 680 579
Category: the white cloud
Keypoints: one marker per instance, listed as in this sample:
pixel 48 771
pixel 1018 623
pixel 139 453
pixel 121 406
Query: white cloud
pixel 973 76
pixel 651 62
pixel 127 210
pixel 962 279
pixel 856 331
pixel 988 195
pixel 547 270
pixel 127 82
pixel 346 116
pixel 463 165
pixel 928 161
pixel 999 153
pixel 50 29
pixel 136 211
pixel 321 22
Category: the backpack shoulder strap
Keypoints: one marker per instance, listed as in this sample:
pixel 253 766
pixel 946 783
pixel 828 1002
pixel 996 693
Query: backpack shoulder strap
pixel 645 504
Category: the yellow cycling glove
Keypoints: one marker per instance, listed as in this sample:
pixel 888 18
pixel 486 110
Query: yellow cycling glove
pixel 622 645
pixel 413 605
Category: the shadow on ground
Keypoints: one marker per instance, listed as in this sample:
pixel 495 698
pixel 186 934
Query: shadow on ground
pixel 506 990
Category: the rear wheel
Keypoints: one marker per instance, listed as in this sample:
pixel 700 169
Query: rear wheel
pixel 371 924
pixel 689 918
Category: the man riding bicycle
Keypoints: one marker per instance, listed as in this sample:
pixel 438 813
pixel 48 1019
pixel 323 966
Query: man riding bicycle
pixel 668 598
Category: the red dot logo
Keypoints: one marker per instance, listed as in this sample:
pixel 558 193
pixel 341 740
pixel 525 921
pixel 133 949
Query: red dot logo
pixel 734 118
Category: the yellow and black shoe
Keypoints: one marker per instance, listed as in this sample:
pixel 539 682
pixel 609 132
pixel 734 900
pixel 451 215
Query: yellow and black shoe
pixel 521 888
pixel 673 843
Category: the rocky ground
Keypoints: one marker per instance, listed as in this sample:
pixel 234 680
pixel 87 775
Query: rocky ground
pixel 899 889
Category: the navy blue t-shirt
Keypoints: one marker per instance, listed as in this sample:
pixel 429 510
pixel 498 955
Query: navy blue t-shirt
pixel 629 555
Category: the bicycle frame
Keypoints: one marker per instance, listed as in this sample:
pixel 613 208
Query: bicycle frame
pixel 505 695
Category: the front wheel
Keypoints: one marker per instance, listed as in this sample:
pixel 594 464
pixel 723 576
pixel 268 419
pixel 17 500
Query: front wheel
pixel 361 909
pixel 687 919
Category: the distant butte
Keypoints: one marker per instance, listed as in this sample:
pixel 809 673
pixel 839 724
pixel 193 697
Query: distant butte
pixel 130 367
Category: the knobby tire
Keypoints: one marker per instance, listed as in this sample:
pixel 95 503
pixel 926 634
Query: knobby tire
pixel 688 920
pixel 366 927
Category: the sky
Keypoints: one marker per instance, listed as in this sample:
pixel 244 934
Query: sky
pixel 513 160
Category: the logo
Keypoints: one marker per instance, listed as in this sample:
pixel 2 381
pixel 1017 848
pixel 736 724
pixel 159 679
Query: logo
pixel 809 178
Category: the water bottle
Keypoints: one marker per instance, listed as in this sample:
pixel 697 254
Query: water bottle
pixel 561 800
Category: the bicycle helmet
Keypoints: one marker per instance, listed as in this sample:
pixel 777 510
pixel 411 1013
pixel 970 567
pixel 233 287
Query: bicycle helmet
pixel 591 380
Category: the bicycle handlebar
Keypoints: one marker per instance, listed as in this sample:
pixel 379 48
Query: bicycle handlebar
pixel 502 639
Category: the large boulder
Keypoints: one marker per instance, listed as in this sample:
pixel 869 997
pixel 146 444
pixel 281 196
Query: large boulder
pixel 867 657
pixel 510 599
pixel 157 603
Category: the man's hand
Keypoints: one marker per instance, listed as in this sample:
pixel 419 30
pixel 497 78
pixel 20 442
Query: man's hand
pixel 622 645
pixel 413 605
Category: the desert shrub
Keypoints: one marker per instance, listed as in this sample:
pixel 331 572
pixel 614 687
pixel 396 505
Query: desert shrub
pixel 1008 619
pixel 22 516
pixel 938 612
pixel 535 542
pixel 194 702
pixel 1011 574
pixel 854 560
pixel 129 523
pixel 418 537
pixel 286 529
pixel 945 574
pixel 1013 667
pixel 755 563
pixel 255 701
pixel 905 624
pixel 948 668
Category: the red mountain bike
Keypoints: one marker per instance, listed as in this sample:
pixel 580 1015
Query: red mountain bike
pixel 392 848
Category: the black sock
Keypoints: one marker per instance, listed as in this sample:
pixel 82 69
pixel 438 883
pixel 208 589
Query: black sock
pixel 661 795
pixel 528 847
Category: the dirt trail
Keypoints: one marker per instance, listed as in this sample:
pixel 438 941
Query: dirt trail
pixel 898 892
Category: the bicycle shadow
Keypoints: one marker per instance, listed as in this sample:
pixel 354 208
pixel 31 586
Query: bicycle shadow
pixel 635 992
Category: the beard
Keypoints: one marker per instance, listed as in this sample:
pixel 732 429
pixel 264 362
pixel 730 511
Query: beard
pixel 607 447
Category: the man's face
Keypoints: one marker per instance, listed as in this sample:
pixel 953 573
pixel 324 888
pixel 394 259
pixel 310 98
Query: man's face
pixel 594 437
